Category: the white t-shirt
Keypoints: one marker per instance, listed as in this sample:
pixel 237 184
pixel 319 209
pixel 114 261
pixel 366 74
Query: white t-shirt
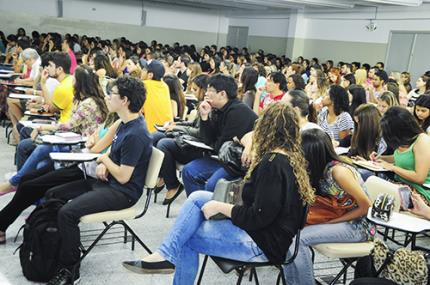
pixel 35 69
pixel 51 84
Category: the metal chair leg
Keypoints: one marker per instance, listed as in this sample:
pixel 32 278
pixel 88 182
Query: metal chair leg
pixel 239 281
pixel 202 270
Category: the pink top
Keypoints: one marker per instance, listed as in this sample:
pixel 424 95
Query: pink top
pixel 73 61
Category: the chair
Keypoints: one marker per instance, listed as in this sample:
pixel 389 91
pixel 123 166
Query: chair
pixel 228 265
pixel 350 252
pixel 119 217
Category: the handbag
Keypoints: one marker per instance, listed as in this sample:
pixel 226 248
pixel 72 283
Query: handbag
pixel 383 207
pixel 327 208
pixel 228 192
pixel 230 154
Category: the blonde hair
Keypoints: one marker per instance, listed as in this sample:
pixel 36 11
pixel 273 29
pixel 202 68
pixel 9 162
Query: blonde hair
pixel 278 128
pixel 195 70
pixel 360 77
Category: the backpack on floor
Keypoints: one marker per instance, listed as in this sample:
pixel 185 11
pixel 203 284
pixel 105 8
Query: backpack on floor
pixel 40 249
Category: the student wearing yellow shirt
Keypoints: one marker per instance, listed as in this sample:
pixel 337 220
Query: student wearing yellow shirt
pixel 62 99
pixel 157 108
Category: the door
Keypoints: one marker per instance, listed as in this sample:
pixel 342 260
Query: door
pixel 237 36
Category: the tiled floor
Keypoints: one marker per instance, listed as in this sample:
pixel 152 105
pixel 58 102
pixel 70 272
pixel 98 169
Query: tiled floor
pixel 103 265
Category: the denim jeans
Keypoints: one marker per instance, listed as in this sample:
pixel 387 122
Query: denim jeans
pixel 301 270
pixel 38 159
pixel 23 152
pixel 156 137
pixel 203 174
pixel 192 234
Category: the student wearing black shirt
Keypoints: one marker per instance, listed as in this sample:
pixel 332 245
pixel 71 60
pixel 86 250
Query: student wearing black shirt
pixel 276 190
pixel 120 173
pixel 223 117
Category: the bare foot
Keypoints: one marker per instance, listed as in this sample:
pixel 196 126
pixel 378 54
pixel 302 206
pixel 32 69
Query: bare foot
pixel 155 257
pixel 5 187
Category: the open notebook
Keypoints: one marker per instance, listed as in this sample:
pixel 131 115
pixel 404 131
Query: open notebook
pixel 73 156
pixel 198 144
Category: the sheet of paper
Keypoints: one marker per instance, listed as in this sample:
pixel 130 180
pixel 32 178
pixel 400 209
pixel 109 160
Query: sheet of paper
pixel 198 144
pixel 341 150
pixel 369 165
pixel 22 96
pixel 73 156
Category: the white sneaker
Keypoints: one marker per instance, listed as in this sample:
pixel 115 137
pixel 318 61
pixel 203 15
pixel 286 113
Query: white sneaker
pixel 9 175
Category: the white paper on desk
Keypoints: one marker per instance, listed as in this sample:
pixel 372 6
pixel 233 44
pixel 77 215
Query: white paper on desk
pixel 6 71
pixel 6 75
pixel 158 128
pixel 21 88
pixel 198 144
pixel 74 156
pixel 341 150
pixel 59 140
pixel 369 165
pixel 22 96
pixel 28 113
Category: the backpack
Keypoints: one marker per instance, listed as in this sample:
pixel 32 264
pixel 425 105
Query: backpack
pixel 402 266
pixel 40 249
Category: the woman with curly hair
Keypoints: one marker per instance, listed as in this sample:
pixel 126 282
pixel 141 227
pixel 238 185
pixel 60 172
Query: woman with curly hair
pixel 276 190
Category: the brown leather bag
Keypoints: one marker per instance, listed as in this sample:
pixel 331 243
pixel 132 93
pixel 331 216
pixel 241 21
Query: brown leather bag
pixel 327 208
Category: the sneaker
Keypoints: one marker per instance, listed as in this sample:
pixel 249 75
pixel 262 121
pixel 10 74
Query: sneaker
pixel 9 175
pixel 64 277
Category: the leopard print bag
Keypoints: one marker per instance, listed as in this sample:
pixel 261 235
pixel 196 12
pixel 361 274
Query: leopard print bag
pixel 404 266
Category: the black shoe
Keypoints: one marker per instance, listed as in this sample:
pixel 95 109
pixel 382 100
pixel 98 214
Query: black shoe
pixel 158 189
pixel 64 277
pixel 170 200
pixel 143 267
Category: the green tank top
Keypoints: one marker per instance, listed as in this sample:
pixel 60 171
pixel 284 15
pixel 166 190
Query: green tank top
pixel 406 160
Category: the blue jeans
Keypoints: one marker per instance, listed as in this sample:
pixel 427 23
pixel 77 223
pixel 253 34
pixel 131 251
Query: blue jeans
pixel 38 159
pixel 192 234
pixel 23 152
pixel 203 174
pixel 301 270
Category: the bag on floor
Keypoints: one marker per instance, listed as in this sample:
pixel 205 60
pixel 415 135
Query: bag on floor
pixel 402 266
pixel 40 249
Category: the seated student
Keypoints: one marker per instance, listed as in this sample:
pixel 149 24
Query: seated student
pixel 367 137
pixel 334 118
pixel 422 112
pixel 330 177
pixel 177 97
pixel 16 107
pixel 263 227
pixel 248 79
pixel 385 101
pixel 357 97
pixel 275 86
pixel 121 176
pixel 89 112
pixel 411 149
pixel 422 86
pixel 157 108
pixel 222 117
pixel 67 47
pixel 295 82
pixel 34 185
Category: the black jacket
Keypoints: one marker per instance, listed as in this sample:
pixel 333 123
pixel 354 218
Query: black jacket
pixel 272 210
pixel 235 119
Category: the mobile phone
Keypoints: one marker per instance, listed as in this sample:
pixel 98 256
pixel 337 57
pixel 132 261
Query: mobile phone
pixel 405 198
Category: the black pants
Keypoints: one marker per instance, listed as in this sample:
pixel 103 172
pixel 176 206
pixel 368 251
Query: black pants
pixel 88 197
pixel 173 154
pixel 33 186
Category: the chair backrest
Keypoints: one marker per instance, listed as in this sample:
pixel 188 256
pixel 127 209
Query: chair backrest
pixel 376 186
pixel 154 167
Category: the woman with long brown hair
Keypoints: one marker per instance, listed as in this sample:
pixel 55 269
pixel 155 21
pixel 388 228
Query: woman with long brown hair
pixel 276 190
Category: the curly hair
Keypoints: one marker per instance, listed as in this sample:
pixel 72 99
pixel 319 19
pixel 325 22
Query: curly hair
pixel 278 128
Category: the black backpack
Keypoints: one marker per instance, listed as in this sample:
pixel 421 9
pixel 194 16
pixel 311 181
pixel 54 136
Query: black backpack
pixel 39 251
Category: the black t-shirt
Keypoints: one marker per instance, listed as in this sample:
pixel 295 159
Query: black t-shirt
pixel 132 146
pixel 184 77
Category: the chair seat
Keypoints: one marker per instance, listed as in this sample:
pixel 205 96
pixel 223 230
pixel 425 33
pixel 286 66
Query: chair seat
pixel 125 214
pixel 344 250
pixel 228 265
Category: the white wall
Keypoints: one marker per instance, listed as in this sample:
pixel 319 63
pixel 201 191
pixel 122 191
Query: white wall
pixel 269 26
pixel 39 7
